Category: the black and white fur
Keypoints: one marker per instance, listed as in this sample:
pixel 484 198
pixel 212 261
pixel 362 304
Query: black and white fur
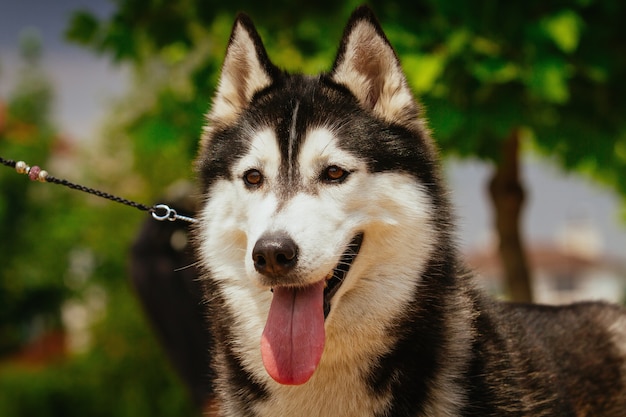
pixel 407 333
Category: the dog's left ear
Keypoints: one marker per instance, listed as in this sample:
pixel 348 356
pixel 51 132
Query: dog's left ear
pixel 367 64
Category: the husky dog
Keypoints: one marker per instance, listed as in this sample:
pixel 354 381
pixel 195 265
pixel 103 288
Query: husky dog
pixel 333 282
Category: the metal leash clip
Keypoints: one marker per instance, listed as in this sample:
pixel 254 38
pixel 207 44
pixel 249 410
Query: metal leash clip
pixel 169 214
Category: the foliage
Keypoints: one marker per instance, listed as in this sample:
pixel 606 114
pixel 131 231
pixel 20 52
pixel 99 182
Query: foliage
pixel 124 375
pixel 499 66
pixel 27 133
pixel 483 68
pixel 60 247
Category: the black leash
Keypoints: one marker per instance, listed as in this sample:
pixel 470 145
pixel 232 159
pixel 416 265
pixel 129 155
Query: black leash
pixel 159 212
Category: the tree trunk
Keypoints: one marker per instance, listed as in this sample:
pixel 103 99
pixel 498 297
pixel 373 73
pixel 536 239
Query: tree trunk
pixel 507 196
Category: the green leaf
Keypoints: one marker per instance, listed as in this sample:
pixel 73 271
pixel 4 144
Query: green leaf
pixel 458 40
pixel 549 81
pixel 495 70
pixel 423 70
pixel 445 120
pixel 174 53
pixel 620 149
pixel 83 28
pixel 564 29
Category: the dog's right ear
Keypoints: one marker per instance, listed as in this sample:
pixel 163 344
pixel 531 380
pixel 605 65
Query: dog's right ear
pixel 245 71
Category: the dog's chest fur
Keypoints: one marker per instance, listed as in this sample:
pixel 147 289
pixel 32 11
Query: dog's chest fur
pixel 338 391
pixel 349 380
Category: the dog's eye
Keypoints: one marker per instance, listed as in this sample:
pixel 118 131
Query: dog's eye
pixel 334 174
pixel 253 178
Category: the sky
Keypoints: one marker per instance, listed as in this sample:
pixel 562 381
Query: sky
pixel 86 84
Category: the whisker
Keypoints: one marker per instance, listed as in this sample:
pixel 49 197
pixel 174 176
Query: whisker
pixel 191 265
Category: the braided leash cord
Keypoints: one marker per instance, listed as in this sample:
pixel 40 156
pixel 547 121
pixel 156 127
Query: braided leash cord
pixel 159 212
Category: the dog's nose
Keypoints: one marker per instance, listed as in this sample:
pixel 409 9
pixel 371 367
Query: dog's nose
pixel 274 254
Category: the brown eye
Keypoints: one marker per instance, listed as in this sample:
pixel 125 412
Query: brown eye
pixel 334 174
pixel 253 178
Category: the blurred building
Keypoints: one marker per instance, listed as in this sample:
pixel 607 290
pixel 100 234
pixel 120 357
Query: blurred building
pixel 571 268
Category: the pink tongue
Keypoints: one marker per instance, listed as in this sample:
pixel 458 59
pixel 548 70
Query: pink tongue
pixel 293 338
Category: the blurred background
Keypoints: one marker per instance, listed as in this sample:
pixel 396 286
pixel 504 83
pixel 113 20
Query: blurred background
pixel 525 99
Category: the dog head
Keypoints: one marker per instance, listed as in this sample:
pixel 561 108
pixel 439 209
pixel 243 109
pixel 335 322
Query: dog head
pixel 321 196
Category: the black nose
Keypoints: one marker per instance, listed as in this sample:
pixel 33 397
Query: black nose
pixel 274 254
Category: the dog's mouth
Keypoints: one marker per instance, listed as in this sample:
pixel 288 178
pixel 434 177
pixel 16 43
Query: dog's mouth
pixel 335 278
pixel 294 335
